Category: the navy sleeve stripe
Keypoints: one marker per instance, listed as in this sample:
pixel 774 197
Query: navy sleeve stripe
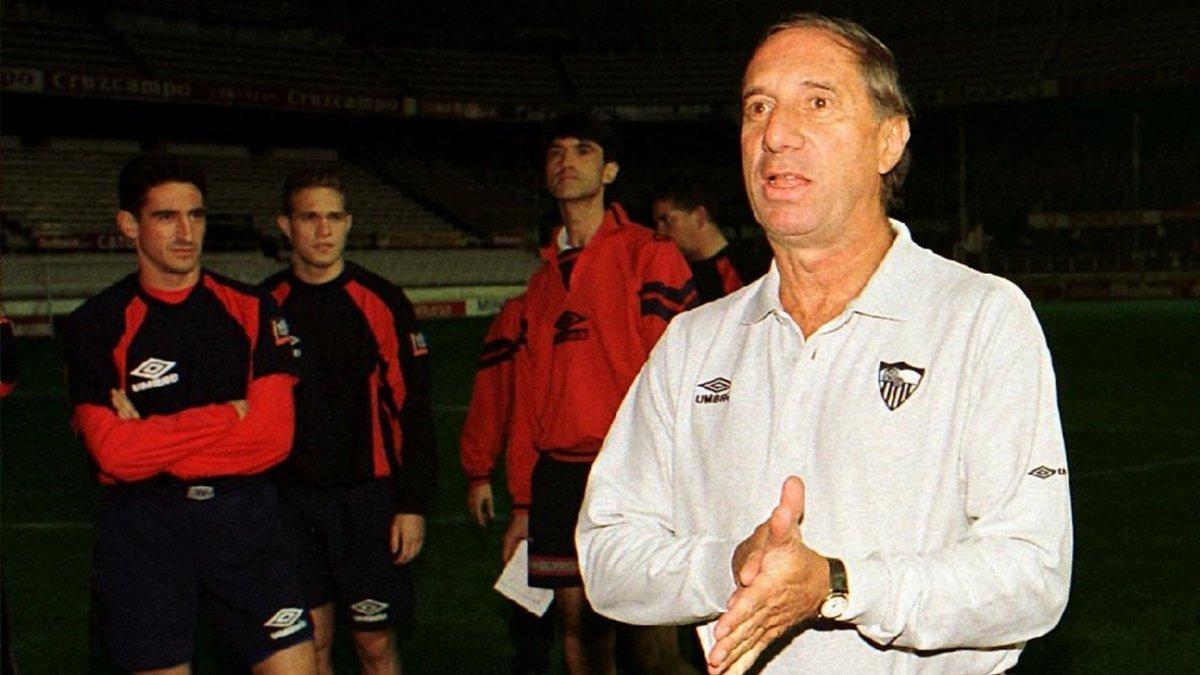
pixel 497 352
pixel 679 295
pixel 657 308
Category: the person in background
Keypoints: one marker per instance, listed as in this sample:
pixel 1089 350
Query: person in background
pixel 592 313
pixel 684 211
pixel 363 466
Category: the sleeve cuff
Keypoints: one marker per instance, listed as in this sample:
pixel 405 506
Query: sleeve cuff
pixel 715 572
pixel 869 580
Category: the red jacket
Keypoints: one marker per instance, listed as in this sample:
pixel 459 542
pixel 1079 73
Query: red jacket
pixel 489 415
pixel 585 344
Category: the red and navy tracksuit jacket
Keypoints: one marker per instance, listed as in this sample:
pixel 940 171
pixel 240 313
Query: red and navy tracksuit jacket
pixel 591 317
pixel 489 415
pixel 732 267
pixel 363 403
pixel 180 357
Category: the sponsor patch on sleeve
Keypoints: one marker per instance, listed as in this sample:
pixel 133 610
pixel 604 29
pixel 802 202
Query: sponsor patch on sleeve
pixel 419 346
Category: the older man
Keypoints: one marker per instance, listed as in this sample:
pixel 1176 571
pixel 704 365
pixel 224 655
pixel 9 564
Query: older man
pixel 905 403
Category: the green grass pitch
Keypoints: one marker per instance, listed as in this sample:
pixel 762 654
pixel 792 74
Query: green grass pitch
pixel 1129 391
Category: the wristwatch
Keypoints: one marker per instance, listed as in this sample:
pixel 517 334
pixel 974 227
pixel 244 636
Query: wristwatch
pixel 838 600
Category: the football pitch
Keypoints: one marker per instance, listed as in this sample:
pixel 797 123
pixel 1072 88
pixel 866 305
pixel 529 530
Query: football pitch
pixel 1129 392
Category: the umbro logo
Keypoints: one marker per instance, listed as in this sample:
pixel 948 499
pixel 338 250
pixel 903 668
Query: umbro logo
pixel 1045 472
pixel 569 327
pixel 287 620
pixel 154 373
pixel 717 388
pixel 897 382
pixel 369 611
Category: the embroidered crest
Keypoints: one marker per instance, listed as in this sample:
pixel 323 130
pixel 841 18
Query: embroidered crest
pixel 897 382
pixel 282 332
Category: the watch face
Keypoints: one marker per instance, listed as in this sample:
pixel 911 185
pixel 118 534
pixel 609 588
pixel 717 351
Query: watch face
pixel 834 606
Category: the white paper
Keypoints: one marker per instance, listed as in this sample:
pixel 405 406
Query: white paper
pixel 705 632
pixel 514 583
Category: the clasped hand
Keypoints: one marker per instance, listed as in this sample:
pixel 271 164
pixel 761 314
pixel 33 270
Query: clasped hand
pixel 781 583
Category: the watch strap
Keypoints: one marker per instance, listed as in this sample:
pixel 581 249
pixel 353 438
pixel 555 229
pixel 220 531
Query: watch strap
pixel 837 577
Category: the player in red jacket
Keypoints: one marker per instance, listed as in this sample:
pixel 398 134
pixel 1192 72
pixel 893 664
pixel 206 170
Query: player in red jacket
pixel 489 416
pixel 592 313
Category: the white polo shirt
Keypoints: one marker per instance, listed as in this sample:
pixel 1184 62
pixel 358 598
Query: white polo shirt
pixel 924 423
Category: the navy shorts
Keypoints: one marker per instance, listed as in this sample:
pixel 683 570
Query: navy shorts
pixel 342 539
pixel 162 544
pixel 557 496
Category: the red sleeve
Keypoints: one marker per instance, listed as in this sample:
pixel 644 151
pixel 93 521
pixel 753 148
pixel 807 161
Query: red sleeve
pixel 258 442
pixel 521 453
pixel 129 450
pixel 489 415
pixel 667 289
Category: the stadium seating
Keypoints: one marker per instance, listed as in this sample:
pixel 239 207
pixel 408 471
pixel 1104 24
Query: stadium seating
pixel 68 188
pixel 48 40
pixel 464 76
pixel 250 56
pixel 1157 45
pixel 655 79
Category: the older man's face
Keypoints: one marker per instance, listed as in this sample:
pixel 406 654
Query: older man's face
pixel 813 150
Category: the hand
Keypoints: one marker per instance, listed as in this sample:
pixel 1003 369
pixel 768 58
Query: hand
pixel 408 536
pixel 517 530
pixel 480 503
pixel 123 406
pixel 242 408
pixel 781 583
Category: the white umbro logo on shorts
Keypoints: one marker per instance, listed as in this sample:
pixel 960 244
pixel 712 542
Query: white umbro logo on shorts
pixel 368 611
pixel 288 620
pixel 154 373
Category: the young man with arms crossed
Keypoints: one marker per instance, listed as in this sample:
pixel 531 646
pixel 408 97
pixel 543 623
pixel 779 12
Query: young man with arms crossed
pixel 363 465
pixel 592 314
pixel 181 382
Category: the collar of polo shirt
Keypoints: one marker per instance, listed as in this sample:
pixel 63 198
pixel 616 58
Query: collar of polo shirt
pixel 890 294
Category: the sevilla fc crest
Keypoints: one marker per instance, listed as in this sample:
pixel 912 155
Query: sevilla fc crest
pixel 898 381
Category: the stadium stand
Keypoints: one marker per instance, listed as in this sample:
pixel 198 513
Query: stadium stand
pixel 1010 57
pixel 248 55
pixel 463 76
pixel 1162 45
pixel 496 202
pixel 63 195
pixel 653 79
pixel 36 37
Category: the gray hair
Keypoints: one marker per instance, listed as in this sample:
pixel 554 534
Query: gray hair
pixel 879 74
